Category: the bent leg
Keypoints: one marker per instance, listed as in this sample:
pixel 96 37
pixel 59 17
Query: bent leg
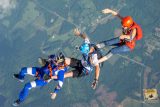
pixel 110 42
pixel 116 50
pixel 28 86
pixel 120 49
pixel 27 70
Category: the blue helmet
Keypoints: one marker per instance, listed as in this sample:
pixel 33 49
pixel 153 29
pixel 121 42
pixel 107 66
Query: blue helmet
pixel 52 58
pixel 84 48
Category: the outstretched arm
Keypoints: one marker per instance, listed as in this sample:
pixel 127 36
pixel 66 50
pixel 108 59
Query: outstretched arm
pixel 107 11
pixel 60 84
pixel 97 72
pixel 77 32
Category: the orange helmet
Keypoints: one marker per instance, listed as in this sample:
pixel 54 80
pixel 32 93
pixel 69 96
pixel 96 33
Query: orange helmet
pixel 127 21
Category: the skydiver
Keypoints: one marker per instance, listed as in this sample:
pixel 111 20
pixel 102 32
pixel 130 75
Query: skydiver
pixel 89 60
pixel 54 66
pixel 131 32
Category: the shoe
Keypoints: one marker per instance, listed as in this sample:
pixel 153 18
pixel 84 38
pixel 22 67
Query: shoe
pixel 17 77
pixel 100 45
pixel 16 103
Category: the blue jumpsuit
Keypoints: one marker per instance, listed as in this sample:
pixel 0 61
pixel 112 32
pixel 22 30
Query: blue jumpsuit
pixel 39 82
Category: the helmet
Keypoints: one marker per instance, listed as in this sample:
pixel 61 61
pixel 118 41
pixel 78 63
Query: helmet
pixel 52 58
pixel 127 21
pixel 56 59
pixel 84 48
pixel 60 58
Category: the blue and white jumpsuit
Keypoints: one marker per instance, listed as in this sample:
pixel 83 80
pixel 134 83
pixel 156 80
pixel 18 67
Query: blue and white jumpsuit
pixel 39 82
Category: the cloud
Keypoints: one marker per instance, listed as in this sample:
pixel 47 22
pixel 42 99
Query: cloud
pixel 6 6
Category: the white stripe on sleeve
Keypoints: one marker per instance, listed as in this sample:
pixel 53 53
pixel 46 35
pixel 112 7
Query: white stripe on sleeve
pixel 33 84
pixel 29 71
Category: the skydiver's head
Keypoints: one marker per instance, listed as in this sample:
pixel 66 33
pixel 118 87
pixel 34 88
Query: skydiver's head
pixel 52 59
pixel 127 22
pixel 84 48
pixel 57 59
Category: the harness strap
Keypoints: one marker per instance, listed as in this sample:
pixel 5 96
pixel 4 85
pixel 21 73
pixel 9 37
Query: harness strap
pixel 62 66
pixel 37 75
pixel 85 71
pixel 50 70
pixel 57 68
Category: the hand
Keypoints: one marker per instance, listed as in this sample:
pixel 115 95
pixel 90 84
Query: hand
pixel 94 83
pixel 106 11
pixel 51 78
pixel 77 32
pixel 46 77
pixel 122 37
pixel 53 96
pixel 54 77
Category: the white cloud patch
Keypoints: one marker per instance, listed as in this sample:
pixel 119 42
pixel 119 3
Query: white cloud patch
pixel 6 6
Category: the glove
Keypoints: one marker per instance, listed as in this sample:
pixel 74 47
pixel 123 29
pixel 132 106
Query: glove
pixel 77 32
pixel 53 96
pixel 94 83
pixel 106 11
pixel 46 77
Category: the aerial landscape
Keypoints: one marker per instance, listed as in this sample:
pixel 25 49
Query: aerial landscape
pixel 30 29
